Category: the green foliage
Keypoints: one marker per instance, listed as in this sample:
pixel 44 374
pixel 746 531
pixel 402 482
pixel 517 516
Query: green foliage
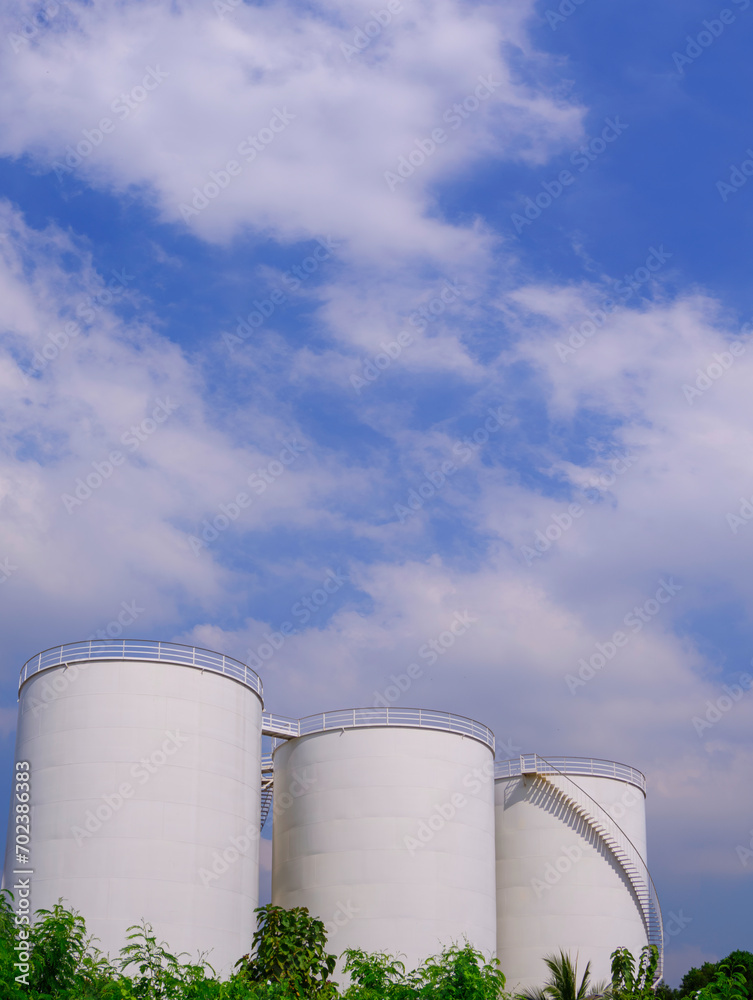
pixel 289 962
pixel 562 983
pixel 744 961
pixel 64 964
pixel 697 979
pixel 664 992
pixel 290 949
pixel 633 980
pixel 161 975
pixel 459 973
pixel 9 988
pixel 727 984
pixel 376 976
pixel 59 947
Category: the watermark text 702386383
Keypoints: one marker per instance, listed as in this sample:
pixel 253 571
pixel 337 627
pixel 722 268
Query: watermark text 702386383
pixel 22 795
pixel 22 885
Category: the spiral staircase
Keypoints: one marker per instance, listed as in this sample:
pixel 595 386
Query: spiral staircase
pixel 561 787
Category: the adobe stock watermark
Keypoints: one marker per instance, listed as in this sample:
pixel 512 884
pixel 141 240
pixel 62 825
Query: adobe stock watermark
pixel 259 482
pixel 49 690
pixel 371 29
pixel 38 22
pixel 445 812
pixel 420 318
pixel 344 913
pixel 222 7
pixel 619 464
pixel 745 852
pixel 710 31
pixel 717 709
pixel 635 620
pixel 133 438
pixel 7 569
pixel 249 148
pixel 464 451
pixel 142 772
pixel 122 106
pixel 707 376
pixel 582 158
pixel 86 310
pixel 674 924
pixel 238 847
pixel 303 609
pixel 426 147
pixel 566 9
pixel 745 514
pixel 543 540
pixel 580 335
pixel 632 796
pixel 128 614
pixel 554 870
pixel 293 278
pixel 429 651
pixel 738 177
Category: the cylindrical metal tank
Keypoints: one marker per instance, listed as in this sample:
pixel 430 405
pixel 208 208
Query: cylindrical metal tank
pixel 144 762
pixel 571 872
pixel 384 829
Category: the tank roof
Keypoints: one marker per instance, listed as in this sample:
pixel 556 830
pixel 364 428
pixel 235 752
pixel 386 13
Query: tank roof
pixel 531 763
pixel 141 649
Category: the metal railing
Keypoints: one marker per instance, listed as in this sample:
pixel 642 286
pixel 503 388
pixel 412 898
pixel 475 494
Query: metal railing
pixel 622 847
pixel 279 725
pixel 361 718
pixel 267 789
pixel 569 765
pixel 141 649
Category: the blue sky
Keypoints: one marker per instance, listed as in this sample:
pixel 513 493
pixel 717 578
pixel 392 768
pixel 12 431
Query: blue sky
pixel 600 354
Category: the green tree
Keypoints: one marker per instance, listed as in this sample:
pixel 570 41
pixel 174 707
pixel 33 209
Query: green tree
pixel 289 948
pixel 665 992
pixel 743 961
pixel 727 984
pixel 697 978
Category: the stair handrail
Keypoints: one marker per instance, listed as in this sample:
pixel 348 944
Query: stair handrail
pixel 652 920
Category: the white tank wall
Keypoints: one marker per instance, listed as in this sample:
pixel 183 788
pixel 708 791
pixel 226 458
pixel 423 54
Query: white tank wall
pixel 558 886
pixel 200 735
pixel 339 838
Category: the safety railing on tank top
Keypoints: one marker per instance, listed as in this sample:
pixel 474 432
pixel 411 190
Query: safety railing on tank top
pixel 141 649
pixel 357 718
pixel 570 765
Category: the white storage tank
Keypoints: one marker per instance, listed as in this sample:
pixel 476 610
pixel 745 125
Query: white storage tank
pixel 571 871
pixel 145 792
pixel 384 829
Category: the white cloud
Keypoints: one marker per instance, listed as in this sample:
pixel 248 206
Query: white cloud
pixel 110 460
pixel 197 85
pixel 323 174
